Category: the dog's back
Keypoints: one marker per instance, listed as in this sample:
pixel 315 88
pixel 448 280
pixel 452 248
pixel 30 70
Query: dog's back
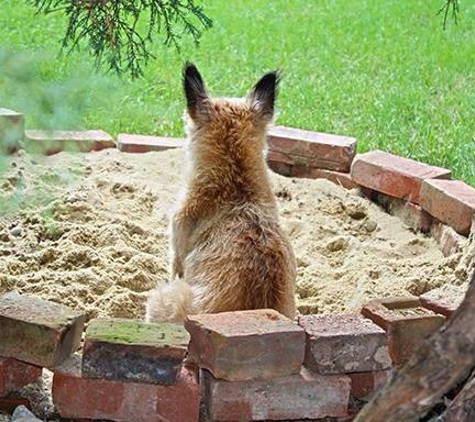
pixel 228 251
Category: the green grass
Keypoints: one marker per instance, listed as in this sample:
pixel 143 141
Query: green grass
pixel 383 71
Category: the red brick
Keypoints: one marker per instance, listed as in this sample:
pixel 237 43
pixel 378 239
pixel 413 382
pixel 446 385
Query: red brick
pixel 126 350
pixel 15 374
pixel 246 345
pixel 395 176
pixel 441 305
pixel 411 214
pixel 449 240
pixel 37 331
pixel 342 343
pixel 302 396
pixel 450 201
pixel 145 143
pixel 283 165
pixel 12 130
pixel 405 321
pixel 313 149
pixel 52 142
pixel 76 397
pixel 279 163
pixel 364 384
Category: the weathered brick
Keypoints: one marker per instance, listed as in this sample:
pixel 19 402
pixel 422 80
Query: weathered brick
pixel 405 321
pixel 76 397
pixel 15 374
pixel 313 149
pixel 342 343
pixel 279 163
pixel 411 214
pixel 282 164
pixel 52 142
pixel 246 345
pixel 365 384
pixel 450 201
pixel 134 351
pixel 440 304
pixel 302 396
pixel 395 176
pixel 12 130
pixel 449 240
pixel 145 143
pixel 37 331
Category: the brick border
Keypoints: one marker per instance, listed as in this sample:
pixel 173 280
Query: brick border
pixel 422 196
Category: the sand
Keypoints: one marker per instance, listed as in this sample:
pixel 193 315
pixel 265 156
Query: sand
pixel 90 231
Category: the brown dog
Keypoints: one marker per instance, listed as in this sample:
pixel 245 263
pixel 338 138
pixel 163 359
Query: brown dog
pixel 228 251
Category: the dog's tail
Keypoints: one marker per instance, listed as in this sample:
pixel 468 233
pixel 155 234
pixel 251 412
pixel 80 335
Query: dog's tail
pixel 170 302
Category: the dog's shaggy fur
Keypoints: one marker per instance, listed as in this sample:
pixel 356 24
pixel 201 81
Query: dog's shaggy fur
pixel 228 251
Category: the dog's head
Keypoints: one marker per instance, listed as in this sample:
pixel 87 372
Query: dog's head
pixel 222 120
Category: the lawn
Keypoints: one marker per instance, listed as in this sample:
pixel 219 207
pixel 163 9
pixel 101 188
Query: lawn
pixel 383 71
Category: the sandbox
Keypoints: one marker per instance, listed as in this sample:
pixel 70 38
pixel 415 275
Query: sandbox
pixel 89 231
pixel 96 238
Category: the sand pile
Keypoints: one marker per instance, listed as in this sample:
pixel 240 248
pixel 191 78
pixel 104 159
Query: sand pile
pixel 90 231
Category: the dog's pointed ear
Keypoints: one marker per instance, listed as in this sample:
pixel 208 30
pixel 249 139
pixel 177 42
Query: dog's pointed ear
pixel 263 95
pixel 195 91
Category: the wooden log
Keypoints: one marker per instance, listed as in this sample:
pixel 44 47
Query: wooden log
pixel 462 408
pixel 442 361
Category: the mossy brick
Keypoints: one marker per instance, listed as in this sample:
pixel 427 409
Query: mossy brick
pixel 12 130
pixel 77 397
pixel 126 350
pixel 245 345
pixel 343 343
pixel 450 201
pixel 302 396
pixel 406 322
pixel 15 374
pixel 395 176
pixel 313 149
pixel 53 142
pixel 144 143
pixel 37 331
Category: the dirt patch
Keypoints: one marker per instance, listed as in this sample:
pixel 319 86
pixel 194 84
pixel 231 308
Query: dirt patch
pixel 90 231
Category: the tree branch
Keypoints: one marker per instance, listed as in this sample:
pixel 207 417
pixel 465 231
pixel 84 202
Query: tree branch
pixel 112 27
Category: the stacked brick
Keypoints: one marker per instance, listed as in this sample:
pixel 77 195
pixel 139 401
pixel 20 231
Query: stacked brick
pixel 349 346
pixel 246 365
pixel 129 370
pixel 300 153
pixel 422 196
pixel 35 334
pixel 258 365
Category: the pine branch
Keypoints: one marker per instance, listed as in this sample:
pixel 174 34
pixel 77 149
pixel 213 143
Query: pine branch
pixel 450 5
pixel 114 29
